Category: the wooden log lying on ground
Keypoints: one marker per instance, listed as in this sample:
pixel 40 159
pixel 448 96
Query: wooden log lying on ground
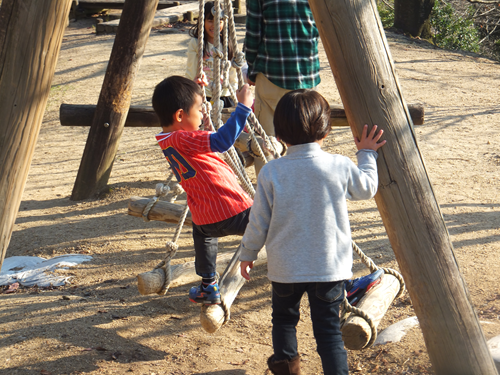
pixel 356 332
pixel 143 116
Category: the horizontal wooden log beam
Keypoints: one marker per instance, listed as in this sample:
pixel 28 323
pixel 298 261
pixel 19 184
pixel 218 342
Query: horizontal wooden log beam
pixel 144 116
pixel 161 211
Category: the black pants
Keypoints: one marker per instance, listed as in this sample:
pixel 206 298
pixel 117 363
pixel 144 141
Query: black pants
pixel 228 102
pixel 324 302
pixel 206 241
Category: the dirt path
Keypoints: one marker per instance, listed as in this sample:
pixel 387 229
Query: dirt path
pixel 101 325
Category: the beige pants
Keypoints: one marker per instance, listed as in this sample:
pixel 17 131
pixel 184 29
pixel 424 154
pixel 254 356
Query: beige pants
pixel 267 96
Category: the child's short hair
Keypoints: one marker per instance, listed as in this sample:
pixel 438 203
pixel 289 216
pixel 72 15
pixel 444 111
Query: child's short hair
pixel 302 116
pixel 172 94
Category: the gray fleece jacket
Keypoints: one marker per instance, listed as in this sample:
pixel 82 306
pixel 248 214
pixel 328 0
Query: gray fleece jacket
pixel 300 213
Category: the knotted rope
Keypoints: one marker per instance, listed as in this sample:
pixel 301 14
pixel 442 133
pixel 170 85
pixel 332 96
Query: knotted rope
pixel 172 247
pixel 348 308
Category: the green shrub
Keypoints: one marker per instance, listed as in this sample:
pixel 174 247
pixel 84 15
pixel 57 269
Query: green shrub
pixel 386 14
pixel 451 31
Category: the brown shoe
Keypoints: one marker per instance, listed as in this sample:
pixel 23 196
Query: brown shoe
pixel 285 366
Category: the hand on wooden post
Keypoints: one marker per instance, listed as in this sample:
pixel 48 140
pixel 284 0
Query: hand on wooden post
pixel 370 141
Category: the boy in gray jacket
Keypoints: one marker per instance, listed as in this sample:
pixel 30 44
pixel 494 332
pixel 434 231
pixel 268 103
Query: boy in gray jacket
pixel 300 215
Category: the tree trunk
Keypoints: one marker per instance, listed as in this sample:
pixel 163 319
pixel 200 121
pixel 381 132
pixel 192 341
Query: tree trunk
pixel 359 57
pixel 31 33
pixel 114 100
pixel 413 17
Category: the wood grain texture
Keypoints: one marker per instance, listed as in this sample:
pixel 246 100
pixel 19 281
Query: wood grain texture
pixel 161 211
pixel 365 74
pixel 144 116
pixel 356 332
pixel 31 33
pixel 114 100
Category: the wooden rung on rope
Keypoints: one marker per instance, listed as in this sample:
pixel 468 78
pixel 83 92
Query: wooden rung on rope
pixel 356 331
pixel 151 282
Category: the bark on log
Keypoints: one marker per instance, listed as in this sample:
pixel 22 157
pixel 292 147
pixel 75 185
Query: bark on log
pixel 143 116
pixel 356 332
pixel 358 52
pixel 31 33
pixel 161 211
pixel 212 316
pixel 114 99
pixel 152 281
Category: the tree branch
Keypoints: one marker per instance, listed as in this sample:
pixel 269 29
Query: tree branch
pixel 484 1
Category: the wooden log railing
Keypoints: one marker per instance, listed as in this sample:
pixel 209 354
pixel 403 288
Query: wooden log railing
pixel 143 116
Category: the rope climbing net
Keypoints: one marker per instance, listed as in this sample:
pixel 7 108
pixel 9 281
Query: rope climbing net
pixel 213 112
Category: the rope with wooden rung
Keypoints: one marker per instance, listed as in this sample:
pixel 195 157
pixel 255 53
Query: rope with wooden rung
pixel 348 308
pixel 172 247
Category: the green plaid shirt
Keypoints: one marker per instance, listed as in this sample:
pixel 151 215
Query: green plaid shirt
pixel 281 42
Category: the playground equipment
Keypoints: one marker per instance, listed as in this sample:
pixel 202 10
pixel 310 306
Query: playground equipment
pixel 145 117
pixel 159 280
pixel 27 66
pixel 365 75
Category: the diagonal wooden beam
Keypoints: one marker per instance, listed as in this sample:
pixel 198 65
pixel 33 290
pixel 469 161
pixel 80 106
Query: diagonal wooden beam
pixel 114 99
pixel 358 52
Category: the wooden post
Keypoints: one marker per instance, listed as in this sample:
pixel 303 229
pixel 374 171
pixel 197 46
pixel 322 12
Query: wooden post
pixel 114 100
pixel 31 33
pixel 359 57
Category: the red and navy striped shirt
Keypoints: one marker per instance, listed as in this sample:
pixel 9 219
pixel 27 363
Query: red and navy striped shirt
pixel 212 188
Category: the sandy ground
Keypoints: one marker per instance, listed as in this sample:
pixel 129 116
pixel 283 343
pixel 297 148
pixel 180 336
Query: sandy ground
pixel 100 324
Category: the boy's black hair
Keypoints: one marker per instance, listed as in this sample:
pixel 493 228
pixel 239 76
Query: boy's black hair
pixel 302 116
pixel 195 29
pixel 172 94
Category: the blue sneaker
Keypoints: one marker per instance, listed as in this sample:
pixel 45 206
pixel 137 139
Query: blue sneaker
pixel 209 294
pixel 357 288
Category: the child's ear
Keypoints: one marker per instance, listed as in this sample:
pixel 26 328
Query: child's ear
pixel 178 115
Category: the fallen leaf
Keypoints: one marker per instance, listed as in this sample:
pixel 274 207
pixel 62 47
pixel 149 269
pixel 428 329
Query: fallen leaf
pixel 12 288
pixel 239 363
pixel 115 355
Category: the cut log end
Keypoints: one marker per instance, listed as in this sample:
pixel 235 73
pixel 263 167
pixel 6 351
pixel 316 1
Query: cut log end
pixel 356 332
pixel 211 317
pixel 151 282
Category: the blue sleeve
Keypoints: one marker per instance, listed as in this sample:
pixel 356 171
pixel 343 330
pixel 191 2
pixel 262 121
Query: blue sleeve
pixel 224 138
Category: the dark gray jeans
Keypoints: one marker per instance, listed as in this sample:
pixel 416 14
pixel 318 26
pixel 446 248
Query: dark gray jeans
pixel 206 241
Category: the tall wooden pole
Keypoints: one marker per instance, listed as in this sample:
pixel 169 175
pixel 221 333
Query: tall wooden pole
pixel 31 33
pixel 114 100
pixel 359 57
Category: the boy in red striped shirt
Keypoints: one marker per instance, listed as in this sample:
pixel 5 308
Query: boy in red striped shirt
pixel 218 204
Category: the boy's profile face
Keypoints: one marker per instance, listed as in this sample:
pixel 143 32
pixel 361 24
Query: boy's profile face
pixel 192 120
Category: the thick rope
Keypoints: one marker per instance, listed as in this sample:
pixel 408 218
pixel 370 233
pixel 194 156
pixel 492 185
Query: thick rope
pixel 238 62
pixel 348 308
pixel 373 267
